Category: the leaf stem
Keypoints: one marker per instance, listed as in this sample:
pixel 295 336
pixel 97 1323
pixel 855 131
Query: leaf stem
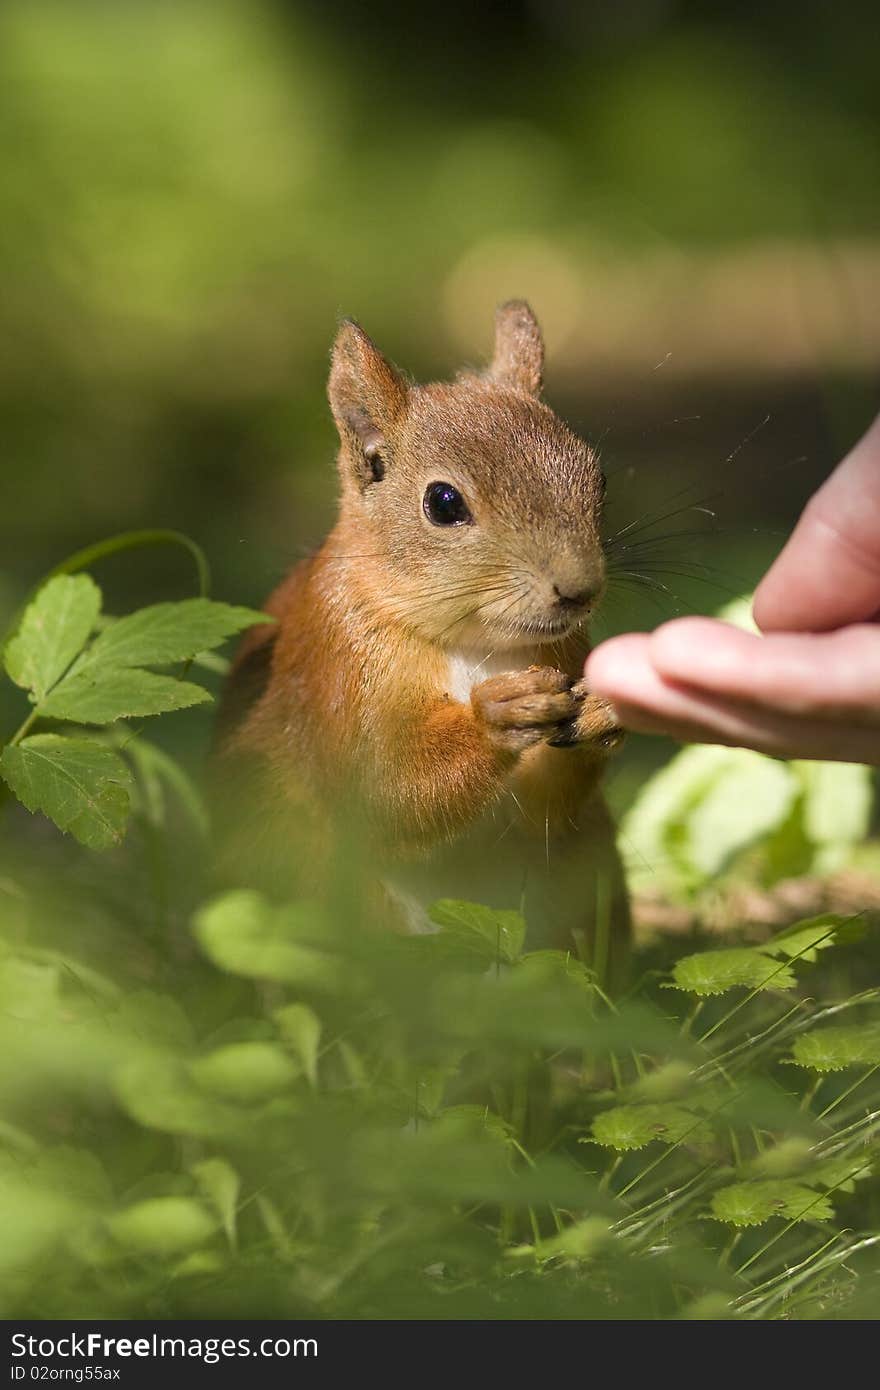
pixel 24 728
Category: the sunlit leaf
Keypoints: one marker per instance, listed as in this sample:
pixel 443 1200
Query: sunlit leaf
pixel 28 988
pixel 242 933
pixel 738 612
pixel 708 804
pixel 300 1028
pixel 627 1127
pixel 248 1072
pixel 834 1049
pixel 162 1226
pixel 751 796
pixel 220 1186
pixel 79 784
pixel 837 801
pixel 804 939
pixel 579 1241
pixel 753 1203
pixel 714 972
pixel 158 1093
pixel 53 631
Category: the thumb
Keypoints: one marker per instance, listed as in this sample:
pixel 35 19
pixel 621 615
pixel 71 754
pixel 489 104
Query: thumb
pixel 828 574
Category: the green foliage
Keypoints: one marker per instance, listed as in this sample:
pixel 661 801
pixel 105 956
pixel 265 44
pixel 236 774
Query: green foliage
pixel 242 1106
pixel 754 1203
pixel 627 1127
pixel 78 783
pixel 71 676
pixel 834 1049
pixel 248 1072
pixel 242 933
pixel 485 931
pixel 711 808
pixel 161 1227
pixel 715 972
pixel 53 631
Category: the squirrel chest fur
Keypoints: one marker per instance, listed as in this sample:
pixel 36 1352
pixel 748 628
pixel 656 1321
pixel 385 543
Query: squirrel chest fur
pixel 419 694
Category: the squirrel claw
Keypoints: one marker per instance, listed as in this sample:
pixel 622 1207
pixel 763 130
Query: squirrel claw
pixel 594 724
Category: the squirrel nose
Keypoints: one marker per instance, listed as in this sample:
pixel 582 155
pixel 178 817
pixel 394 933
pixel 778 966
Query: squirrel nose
pixel 580 599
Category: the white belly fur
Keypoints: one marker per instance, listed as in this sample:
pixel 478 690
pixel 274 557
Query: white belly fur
pixel 469 668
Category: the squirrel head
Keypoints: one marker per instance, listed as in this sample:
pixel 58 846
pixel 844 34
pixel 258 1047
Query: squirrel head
pixel 473 509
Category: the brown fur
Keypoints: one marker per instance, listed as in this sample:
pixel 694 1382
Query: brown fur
pixel 352 713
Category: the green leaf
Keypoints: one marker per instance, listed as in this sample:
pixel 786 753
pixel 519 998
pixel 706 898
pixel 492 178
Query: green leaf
pixel 804 939
pixel 838 798
pixel 753 1203
pixel 653 832
pixel 580 1241
pixel 79 784
pixel 666 1082
pixel 842 1174
pixel 53 631
pixel 220 1186
pixel 705 806
pixel 738 612
pixel 750 798
pixel 162 1226
pixel 834 1049
pixel 159 1093
pixel 300 1028
pixel 248 1072
pixel 627 1127
pixel 714 972
pixel 169 632
pixel 243 934
pixel 28 989
pixel 795 1157
pixel 96 695
pixel 487 931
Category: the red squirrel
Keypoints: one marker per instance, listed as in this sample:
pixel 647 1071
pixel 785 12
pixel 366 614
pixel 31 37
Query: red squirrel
pixel 422 679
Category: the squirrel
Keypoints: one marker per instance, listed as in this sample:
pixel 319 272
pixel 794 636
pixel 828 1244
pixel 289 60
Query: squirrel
pixel 422 680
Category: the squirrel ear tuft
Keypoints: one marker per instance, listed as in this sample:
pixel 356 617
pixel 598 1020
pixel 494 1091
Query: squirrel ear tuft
pixel 519 348
pixel 367 396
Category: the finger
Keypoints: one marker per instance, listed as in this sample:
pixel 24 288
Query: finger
pixel 622 670
pixel 779 736
pixel 827 675
pixel 828 574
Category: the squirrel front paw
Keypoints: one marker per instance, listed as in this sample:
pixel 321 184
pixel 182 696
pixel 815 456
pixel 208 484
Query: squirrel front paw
pixel 522 708
pixel 594 722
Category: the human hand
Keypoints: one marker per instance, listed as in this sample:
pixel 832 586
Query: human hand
pixel 809 688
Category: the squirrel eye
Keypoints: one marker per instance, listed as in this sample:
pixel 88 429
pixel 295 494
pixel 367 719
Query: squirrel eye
pixel 445 506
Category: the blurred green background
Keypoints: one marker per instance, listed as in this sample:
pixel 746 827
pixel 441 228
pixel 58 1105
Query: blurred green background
pixel 192 193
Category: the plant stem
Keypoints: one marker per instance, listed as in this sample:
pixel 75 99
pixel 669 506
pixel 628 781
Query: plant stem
pixel 23 728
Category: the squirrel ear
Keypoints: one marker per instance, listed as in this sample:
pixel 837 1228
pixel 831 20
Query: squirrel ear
pixel 367 396
pixel 519 348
